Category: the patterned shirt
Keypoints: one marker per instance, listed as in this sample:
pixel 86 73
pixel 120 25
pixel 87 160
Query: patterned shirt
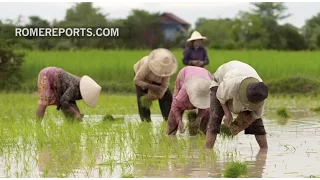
pixel 180 97
pixel 68 90
pixel 144 76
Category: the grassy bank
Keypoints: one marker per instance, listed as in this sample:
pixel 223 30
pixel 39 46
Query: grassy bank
pixel 114 69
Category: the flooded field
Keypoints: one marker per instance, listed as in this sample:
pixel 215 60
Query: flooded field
pixel 134 149
pixel 130 148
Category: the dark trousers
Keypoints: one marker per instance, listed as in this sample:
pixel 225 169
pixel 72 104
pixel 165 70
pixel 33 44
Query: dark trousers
pixel 164 103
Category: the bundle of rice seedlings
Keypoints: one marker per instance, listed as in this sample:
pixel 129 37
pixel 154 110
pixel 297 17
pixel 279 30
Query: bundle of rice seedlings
pixel 193 128
pixel 283 112
pixel 225 132
pixel 235 170
pixel 240 123
pixel 145 101
pixel 109 117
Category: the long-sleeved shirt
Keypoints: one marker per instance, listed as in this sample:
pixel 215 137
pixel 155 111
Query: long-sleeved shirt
pixel 228 78
pixel 181 100
pixel 68 90
pixel 144 76
pixel 192 53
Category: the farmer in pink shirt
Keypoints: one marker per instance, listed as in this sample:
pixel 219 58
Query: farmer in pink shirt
pixel 192 91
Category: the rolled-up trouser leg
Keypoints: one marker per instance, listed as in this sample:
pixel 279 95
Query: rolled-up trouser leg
pixel 204 122
pixel 216 113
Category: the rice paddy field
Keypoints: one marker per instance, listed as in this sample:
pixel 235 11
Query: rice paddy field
pixel 127 147
pixel 114 69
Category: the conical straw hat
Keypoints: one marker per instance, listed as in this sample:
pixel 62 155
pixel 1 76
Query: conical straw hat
pixel 90 91
pixel 196 35
pixel 198 90
pixel 162 62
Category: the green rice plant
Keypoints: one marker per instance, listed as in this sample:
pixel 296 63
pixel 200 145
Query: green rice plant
pixel 235 170
pixel 109 117
pixel 127 176
pixel 193 127
pixel 145 101
pixel 312 176
pixel 316 109
pixel 283 112
pixel 116 75
pixel 225 132
pixel 59 149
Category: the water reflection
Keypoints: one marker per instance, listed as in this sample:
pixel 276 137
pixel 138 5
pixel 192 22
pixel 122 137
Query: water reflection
pixel 200 163
pixel 60 156
pixel 256 168
pixel 145 151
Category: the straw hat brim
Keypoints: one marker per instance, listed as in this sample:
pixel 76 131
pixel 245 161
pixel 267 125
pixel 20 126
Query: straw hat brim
pixel 201 101
pixel 160 69
pixel 243 94
pixel 197 38
pixel 90 91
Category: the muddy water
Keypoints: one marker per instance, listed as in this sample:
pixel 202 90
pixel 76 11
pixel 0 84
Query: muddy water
pixel 294 151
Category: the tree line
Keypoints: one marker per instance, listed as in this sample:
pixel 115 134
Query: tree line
pixel 254 29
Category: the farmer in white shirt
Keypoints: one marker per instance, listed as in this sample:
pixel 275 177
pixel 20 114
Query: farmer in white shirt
pixel 237 88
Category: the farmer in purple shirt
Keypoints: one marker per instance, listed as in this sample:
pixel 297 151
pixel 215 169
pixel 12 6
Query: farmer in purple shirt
pixel 195 54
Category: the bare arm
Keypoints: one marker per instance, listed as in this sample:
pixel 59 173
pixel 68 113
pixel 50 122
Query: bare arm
pixel 225 92
pixel 225 109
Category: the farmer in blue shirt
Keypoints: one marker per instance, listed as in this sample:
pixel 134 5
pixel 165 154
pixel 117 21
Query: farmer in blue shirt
pixel 195 54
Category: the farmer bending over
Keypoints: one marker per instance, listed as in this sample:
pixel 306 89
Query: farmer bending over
pixel 192 90
pixel 151 77
pixel 60 88
pixel 237 88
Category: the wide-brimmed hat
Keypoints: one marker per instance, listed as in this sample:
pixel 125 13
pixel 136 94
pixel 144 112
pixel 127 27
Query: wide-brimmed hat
pixel 90 91
pixel 162 62
pixel 196 35
pixel 198 90
pixel 252 93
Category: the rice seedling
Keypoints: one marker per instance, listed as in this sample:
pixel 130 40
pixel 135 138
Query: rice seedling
pixel 235 170
pixel 127 176
pixel 90 148
pixel 283 112
pixel 312 176
pixel 192 126
pixel 109 117
pixel 225 132
pixel 145 101
pixel 316 109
